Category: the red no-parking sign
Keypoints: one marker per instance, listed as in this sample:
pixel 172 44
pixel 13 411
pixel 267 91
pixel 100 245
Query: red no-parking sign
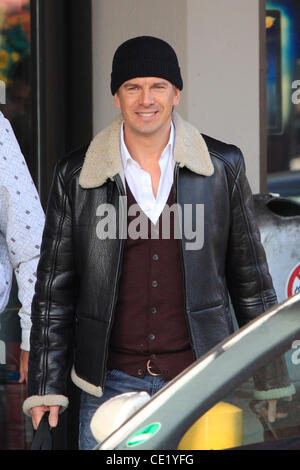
pixel 293 284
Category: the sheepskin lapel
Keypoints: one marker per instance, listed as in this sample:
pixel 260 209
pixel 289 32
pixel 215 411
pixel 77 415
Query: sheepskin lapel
pixel 190 148
pixel 103 158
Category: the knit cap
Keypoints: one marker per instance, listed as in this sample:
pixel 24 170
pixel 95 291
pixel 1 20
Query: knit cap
pixel 145 56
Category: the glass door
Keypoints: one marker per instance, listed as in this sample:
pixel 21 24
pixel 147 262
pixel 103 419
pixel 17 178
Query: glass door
pixel 16 106
pixel 46 94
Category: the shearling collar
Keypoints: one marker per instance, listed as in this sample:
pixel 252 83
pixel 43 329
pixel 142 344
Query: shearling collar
pixel 103 159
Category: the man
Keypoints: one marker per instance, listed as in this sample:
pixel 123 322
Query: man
pixel 21 228
pixel 143 308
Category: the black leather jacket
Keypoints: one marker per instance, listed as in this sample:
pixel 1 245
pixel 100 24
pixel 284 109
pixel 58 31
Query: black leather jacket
pixel 77 281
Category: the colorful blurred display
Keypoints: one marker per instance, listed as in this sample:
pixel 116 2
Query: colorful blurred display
pixel 283 74
pixel 14 35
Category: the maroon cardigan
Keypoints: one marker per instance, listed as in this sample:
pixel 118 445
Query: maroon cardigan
pixel 149 321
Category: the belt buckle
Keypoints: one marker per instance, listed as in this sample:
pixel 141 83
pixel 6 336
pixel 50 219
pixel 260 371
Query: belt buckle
pixel 149 370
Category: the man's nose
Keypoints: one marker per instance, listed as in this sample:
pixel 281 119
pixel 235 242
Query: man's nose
pixel 146 97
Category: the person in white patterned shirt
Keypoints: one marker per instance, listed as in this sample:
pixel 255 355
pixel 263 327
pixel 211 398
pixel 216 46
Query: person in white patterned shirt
pixel 21 228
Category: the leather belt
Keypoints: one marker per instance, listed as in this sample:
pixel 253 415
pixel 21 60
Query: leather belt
pixel 149 370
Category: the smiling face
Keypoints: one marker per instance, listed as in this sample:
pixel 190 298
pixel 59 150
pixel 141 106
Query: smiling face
pixel 146 104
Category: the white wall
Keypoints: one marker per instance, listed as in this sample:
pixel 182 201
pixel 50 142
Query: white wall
pixel 223 96
pixel 217 43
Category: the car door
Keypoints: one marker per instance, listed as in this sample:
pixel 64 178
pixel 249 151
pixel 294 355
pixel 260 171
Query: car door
pixel 224 375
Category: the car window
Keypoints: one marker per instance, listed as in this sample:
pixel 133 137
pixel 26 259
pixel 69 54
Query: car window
pixel 240 418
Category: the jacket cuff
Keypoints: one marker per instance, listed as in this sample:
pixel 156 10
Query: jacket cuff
pixel 275 393
pixel 45 400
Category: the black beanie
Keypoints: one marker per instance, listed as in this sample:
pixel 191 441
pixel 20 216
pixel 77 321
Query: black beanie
pixel 145 56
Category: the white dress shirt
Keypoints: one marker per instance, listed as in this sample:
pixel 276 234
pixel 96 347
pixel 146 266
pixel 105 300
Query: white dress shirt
pixel 139 180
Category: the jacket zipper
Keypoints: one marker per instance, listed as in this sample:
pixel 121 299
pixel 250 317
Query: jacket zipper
pixel 114 299
pixel 176 179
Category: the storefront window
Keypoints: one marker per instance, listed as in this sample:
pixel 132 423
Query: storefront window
pixel 15 98
pixel 283 96
pixel 15 70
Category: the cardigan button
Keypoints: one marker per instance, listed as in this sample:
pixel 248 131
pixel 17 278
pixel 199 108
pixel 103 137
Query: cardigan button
pixel 154 283
pixel 151 337
pixel 155 257
pixel 153 310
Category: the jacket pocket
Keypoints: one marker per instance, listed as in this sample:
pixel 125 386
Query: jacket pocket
pixel 208 326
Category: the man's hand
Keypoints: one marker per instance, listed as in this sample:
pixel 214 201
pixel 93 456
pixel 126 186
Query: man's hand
pixel 271 412
pixel 37 412
pixel 24 357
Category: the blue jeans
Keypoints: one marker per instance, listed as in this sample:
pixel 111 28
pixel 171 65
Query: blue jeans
pixel 117 382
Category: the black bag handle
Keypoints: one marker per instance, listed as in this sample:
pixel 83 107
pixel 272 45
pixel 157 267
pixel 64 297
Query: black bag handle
pixel 42 439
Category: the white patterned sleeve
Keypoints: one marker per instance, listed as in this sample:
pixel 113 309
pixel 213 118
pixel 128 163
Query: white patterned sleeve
pixel 22 221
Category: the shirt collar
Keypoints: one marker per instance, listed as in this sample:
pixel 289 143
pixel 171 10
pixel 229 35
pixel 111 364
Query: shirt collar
pixel 126 157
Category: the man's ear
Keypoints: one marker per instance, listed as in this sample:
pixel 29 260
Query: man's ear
pixel 117 100
pixel 176 97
